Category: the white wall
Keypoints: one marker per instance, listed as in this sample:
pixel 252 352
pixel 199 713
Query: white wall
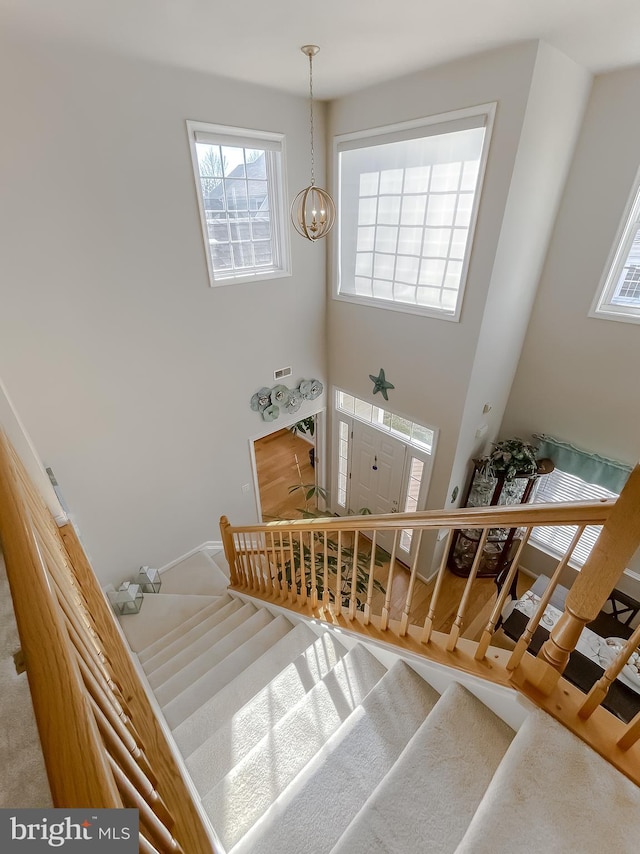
pixel 16 434
pixel 131 374
pixel 577 378
pixel 430 360
pixel 555 110
pixel 444 372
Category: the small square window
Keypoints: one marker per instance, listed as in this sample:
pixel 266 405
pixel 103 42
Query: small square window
pixel 241 190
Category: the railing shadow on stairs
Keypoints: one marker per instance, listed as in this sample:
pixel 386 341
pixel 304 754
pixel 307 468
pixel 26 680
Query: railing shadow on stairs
pixel 102 742
pixel 316 568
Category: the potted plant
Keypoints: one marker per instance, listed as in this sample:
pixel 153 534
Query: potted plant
pixel 510 458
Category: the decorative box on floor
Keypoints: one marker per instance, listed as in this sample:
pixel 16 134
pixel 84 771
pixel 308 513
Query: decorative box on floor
pixel 128 598
pixel 149 579
pixel 500 547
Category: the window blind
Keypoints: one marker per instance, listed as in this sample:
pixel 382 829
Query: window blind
pixel 562 486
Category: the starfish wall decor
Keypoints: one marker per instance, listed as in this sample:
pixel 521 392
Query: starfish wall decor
pixel 380 384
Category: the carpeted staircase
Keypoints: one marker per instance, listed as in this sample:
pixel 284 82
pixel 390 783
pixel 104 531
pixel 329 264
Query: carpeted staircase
pixel 301 740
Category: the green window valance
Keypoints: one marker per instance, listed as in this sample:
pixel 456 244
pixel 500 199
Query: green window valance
pixel 592 468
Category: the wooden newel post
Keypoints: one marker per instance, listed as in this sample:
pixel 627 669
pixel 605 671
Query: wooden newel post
pixel 229 548
pixel 614 548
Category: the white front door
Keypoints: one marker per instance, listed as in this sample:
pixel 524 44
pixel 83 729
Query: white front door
pixel 377 471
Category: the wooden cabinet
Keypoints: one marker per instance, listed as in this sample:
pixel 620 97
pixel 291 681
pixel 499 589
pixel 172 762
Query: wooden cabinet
pixel 485 490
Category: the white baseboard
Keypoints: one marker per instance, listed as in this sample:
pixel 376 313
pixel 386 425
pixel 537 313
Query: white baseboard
pixel 209 546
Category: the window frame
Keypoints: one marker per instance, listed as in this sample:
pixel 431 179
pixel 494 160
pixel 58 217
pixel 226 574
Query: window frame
pixel 488 111
pixel 602 306
pixel 277 193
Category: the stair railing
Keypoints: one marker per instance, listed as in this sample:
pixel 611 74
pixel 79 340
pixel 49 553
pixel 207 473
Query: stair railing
pixel 317 568
pixel 102 744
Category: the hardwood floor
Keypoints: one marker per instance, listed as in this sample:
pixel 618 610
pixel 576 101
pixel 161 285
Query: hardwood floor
pixel 277 459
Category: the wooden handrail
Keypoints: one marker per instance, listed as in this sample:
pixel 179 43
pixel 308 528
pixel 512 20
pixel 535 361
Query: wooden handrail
pixel 517 516
pixel 188 828
pixel 71 638
pixel 77 768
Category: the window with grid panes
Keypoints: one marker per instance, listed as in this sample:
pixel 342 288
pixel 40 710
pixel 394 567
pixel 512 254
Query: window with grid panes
pixel 562 486
pixel 618 296
pixel 408 197
pixel 240 186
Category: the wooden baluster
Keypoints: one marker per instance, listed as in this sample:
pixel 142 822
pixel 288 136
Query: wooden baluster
pixel 266 564
pixel 131 768
pixel 294 573
pixel 145 847
pixel 485 640
pixel 104 697
pixel 303 571
pixel 404 622
pixel 282 569
pixel 240 569
pixel 256 556
pixel 134 800
pixel 614 548
pixel 97 671
pixel 314 580
pixel 338 600
pixel 599 691
pixel 384 620
pixel 456 628
pixel 525 638
pixel 428 623
pixel 354 579
pixel 325 589
pixel 630 735
pixel 229 549
pixel 274 566
pixel 248 564
pixel 130 739
pixel 243 579
pixel 372 566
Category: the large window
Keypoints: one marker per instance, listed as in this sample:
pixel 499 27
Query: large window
pixel 408 197
pixel 240 186
pixel 618 296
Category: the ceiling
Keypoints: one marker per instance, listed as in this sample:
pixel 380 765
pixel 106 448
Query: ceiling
pixel 362 43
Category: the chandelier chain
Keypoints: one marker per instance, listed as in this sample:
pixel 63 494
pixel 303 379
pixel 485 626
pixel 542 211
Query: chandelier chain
pixel 313 180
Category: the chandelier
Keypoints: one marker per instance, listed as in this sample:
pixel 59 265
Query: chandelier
pixel 313 212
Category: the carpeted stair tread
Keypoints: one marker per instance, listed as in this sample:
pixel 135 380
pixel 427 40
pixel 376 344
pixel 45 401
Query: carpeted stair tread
pixel 195 574
pixel 150 652
pixel 236 735
pixel 199 692
pixel 200 639
pixel 553 793
pixel 253 621
pixel 160 613
pixel 336 783
pixel 243 795
pixel 428 798
pixel 245 681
